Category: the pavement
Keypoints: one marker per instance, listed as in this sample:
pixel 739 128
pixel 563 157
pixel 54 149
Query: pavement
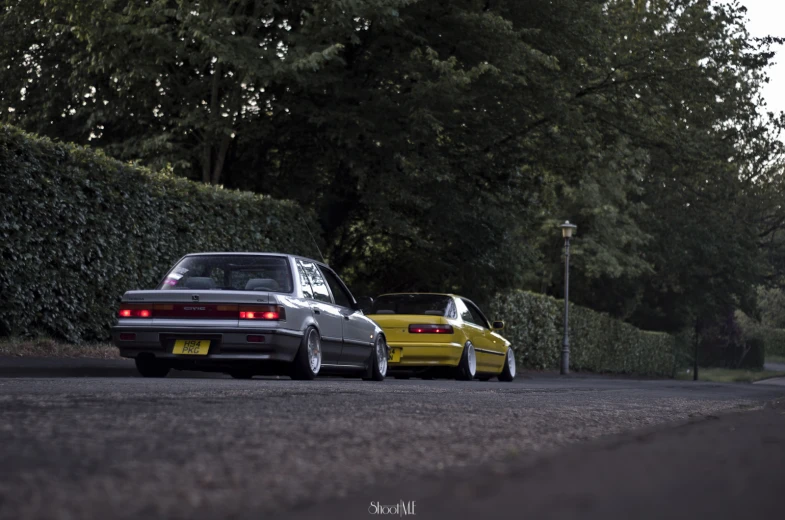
pixel 544 447
pixel 775 367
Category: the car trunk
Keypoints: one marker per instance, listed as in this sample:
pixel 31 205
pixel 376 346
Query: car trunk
pixel 396 327
pixel 211 307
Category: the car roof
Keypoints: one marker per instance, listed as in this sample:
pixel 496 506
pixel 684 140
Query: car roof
pixel 261 253
pixel 426 293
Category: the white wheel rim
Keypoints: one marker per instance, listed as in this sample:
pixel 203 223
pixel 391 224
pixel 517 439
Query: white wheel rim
pixel 314 352
pixel 511 361
pixel 381 356
pixel 472 358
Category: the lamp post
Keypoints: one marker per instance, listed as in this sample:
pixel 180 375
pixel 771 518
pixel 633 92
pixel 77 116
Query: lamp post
pixel 566 232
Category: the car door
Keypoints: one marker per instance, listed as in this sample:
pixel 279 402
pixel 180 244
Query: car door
pixel 485 345
pixel 327 316
pixel 358 331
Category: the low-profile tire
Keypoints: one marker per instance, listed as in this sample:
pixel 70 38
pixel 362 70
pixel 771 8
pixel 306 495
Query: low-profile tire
pixel 151 367
pixel 308 360
pixel 509 370
pixel 377 366
pixel 467 366
pixel 241 374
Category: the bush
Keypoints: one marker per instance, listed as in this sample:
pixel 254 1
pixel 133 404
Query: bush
pixel 78 229
pixel 729 340
pixel 767 340
pixel 598 343
pixel 774 340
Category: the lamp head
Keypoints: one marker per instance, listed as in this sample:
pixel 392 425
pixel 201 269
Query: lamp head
pixel 567 229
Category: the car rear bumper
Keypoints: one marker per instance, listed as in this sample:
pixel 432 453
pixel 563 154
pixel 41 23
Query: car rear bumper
pixel 427 354
pixel 226 345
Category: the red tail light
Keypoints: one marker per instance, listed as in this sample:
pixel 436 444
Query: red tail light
pixel 203 311
pixel 135 311
pixel 430 329
pixel 263 312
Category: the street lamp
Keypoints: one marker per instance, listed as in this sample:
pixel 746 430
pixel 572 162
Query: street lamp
pixel 566 231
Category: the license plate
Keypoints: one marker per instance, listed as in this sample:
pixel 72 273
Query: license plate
pixel 194 347
pixel 394 355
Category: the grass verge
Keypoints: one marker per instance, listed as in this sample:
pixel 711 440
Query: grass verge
pixel 47 347
pixel 729 375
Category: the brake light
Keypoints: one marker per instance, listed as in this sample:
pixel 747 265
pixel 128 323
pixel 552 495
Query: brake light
pixel 135 311
pixel 429 328
pixel 263 312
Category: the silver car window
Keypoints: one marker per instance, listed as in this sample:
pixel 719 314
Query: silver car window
pixel 320 290
pixel 342 297
pixel 230 272
pixel 304 281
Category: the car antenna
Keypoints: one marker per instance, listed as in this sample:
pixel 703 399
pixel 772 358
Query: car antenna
pixel 313 240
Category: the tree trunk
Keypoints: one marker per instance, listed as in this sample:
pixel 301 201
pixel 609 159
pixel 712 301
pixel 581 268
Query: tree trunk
pixel 220 159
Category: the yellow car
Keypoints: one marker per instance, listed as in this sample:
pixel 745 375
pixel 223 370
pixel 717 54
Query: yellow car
pixel 442 334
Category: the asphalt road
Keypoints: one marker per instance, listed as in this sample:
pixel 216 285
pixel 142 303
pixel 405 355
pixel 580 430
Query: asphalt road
pixel 122 447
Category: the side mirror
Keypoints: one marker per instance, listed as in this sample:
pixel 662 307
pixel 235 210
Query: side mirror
pixel 365 304
pixel 498 325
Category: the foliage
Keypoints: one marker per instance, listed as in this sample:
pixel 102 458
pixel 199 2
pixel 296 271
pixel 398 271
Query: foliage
pixel 78 229
pixel 771 307
pixel 598 342
pixel 772 338
pixel 439 143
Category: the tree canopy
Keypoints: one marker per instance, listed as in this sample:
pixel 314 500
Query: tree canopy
pixel 440 143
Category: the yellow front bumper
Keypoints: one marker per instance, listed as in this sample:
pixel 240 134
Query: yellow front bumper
pixel 427 354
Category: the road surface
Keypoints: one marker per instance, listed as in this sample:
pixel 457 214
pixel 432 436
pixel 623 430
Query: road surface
pixel 125 447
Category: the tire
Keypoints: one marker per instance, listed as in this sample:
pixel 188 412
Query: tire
pixel 241 374
pixel 150 367
pixel 377 366
pixel 509 370
pixel 308 360
pixel 467 366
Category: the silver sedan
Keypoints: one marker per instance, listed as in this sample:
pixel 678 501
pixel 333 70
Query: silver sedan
pixel 249 314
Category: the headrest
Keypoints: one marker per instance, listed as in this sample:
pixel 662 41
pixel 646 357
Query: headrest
pixel 199 282
pixel 262 284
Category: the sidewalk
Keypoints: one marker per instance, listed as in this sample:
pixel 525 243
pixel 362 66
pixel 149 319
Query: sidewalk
pixel 65 367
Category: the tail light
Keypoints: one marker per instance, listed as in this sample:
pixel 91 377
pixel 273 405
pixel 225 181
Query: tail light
pixel 263 312
pixel 203 311
pixel 135 311
pixel 429 328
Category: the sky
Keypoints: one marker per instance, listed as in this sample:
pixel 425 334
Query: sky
pixel 767 17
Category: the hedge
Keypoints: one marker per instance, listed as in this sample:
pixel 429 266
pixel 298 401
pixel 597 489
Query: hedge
pixel 598 343
pixel 79 228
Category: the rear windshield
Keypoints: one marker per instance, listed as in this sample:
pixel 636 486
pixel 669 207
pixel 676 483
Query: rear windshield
pixel 230 273
pixel 431 304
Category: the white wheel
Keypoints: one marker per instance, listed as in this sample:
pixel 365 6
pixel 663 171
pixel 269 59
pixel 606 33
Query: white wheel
pixel 314 351
pixel 508 371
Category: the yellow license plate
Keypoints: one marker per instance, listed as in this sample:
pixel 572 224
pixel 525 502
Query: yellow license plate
pixel 194 347
pixel 394 355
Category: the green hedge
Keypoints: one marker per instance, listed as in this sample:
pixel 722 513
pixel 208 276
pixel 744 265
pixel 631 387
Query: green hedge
pixel 78 229
pixel 598 343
